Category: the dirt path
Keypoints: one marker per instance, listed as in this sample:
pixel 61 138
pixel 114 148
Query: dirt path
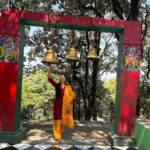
pixel 90 133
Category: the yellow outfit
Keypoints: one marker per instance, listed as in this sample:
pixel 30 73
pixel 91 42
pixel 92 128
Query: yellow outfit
pixel 67 117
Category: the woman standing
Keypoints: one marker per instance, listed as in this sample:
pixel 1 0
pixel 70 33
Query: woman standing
pixel 63 106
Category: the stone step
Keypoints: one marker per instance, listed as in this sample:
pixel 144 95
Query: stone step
pixel 123 148
pixel 5 146
pixel 122 141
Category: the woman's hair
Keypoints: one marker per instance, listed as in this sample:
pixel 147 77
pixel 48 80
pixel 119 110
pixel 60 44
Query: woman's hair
pixel 58 87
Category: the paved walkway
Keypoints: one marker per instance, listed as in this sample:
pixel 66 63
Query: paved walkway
pixel 84 133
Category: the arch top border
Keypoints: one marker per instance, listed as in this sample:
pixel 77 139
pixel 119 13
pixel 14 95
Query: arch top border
pixel 10 21
pixel 56 19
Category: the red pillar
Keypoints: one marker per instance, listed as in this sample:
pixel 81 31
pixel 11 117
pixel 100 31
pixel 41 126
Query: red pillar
pixel 128 99
pixel 9 47
pixel 8 88
pixel 129 80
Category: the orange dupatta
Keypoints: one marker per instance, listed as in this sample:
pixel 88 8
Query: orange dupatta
pixel 67 117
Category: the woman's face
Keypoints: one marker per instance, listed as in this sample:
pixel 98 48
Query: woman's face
pixel 62 78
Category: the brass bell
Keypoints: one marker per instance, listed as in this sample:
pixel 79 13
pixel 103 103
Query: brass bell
pixel 50 57
pixel 72 54
pixel 92 55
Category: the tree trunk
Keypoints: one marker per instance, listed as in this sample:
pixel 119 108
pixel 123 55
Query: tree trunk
pixel 134 9
pixel 94 78
pixel 87 109
pixel 93 89
pixel 138 107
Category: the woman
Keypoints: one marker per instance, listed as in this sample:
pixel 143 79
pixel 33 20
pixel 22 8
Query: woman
pixel 63 106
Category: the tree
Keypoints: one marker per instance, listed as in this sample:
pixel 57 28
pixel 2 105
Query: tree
pixel 144 96
pixel 37 96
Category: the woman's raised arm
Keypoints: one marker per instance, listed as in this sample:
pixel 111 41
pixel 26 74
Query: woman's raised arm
pixel 50 79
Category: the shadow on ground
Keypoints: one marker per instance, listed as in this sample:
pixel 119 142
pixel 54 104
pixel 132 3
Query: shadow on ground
pixel 90 133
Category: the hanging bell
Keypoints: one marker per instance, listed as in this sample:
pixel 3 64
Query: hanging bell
pixel 50 57
pixel 72 54
pixel 92 55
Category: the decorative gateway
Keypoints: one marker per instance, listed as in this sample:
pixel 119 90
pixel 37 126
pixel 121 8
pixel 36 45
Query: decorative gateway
pixel 12 24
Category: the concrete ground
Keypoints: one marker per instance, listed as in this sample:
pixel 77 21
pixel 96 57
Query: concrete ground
pixel 84 133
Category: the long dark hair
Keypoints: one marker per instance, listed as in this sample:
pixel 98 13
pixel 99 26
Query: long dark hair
pixel 58 88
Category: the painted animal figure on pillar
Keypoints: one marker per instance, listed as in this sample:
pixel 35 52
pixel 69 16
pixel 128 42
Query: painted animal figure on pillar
pixel 131 58
pixel 9 48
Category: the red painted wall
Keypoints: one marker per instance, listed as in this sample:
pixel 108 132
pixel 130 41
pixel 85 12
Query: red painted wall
pixel 8 87
pixel 9 47
pixel 9 23
pixel 132 33
pixel 128 99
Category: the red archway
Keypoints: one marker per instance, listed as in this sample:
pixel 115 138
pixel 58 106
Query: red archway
pixel 11 30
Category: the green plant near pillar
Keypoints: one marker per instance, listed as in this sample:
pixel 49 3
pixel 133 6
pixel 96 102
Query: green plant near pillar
pixel 142 134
